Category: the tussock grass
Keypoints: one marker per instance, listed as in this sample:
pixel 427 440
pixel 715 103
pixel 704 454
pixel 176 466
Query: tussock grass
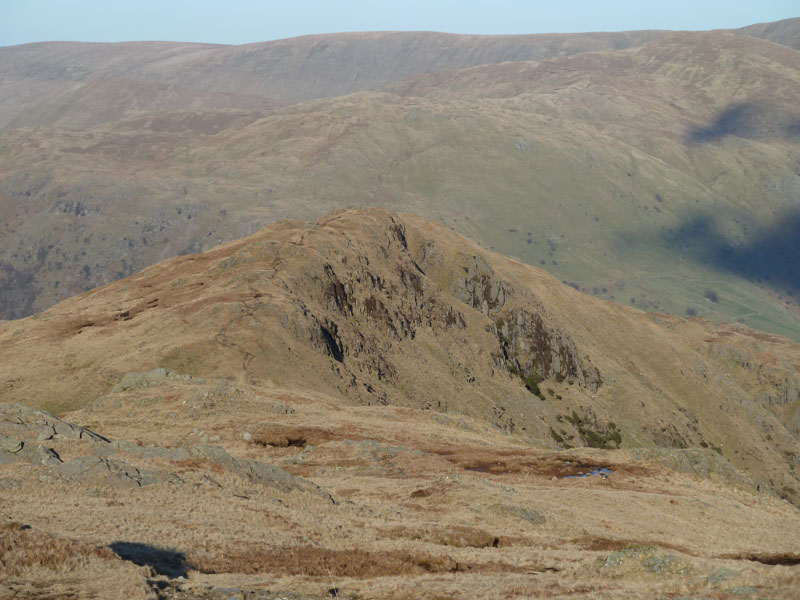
pixel 22 548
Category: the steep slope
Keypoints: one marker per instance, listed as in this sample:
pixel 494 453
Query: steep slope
pixel 34 72
pixel 656 176
pixel 110 100
pixel 387 310
pixel 786 32
pixel 295 69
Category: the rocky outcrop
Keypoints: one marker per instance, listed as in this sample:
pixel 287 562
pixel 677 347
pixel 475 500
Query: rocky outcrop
pixel 527 345
pixel 359 301
pixel 115 473
pixel 257 472
pixel 30 424
pixel 778 381
pixel 479 287
pixel 134 381
pixel 110 463
pixel 12 450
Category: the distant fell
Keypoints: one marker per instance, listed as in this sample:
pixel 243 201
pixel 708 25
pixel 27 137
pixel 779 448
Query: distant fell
pixel 290 70
pixel 786 32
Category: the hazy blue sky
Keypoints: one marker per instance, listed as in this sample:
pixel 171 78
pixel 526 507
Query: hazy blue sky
pixel 239 21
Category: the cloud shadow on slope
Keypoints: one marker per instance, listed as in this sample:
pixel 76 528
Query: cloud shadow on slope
pixel 769 256
pixel 748 120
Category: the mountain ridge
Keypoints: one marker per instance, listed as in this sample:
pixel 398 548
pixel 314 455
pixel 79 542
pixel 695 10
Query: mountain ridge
pixel 394 310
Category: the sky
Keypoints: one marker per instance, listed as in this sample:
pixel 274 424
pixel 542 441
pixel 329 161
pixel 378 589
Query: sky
pixel 240 21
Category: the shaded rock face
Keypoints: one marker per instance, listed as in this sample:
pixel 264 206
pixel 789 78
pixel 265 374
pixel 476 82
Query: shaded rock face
pixel 17 292
pixel 527 345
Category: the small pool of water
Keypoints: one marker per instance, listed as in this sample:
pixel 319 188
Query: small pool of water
pixel 604 471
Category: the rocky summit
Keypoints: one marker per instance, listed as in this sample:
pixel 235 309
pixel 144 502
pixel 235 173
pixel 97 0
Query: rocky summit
pixel 372 406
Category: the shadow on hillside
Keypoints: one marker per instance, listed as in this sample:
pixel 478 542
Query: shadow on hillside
pixel 749 120
pixel 17 293
pixel 770 255
pixel 169 563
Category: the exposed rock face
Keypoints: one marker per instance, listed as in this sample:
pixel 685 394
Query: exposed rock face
pixel 527 345
pixel 29 423
pixel 479 287
pixel 257 472
pixel 359 307
pixel 116 473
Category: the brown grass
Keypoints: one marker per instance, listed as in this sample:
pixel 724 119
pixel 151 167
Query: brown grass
pixel 456 536
pixel 284 436
pixel 595 543
pixel 22 548
pixel 322 562
pixel 194 464
pixel 497 463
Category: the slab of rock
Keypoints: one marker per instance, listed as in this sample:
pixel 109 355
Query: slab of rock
pixel 48 432
pixel 115 473
pixel 257 472
pixel 134 381
pixel 9 449
pixel 151 451
pixel 37 454
pixel 10 444
pixel 12 450
pixel 28 423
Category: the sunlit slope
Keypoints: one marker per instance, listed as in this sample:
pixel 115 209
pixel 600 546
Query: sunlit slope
pixel 34 76
pixel 786 32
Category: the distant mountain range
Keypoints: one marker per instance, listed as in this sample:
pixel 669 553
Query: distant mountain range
pixel 654 168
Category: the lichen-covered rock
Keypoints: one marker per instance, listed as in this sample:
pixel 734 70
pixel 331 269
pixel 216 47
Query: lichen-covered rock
pixel 10 444
pixel 39 455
